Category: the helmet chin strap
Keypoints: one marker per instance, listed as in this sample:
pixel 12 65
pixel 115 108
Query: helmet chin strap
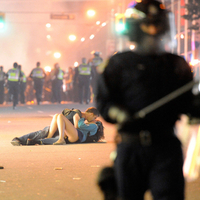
pixel 150 45
pixel 150 42
pixel 149 29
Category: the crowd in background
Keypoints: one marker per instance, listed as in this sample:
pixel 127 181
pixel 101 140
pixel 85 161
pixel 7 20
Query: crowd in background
pixel 58 85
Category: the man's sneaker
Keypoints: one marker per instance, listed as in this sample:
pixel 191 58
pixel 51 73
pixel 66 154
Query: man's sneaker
pixel 16 142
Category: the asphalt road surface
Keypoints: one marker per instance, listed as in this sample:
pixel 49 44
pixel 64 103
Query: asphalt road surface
pixel 53 172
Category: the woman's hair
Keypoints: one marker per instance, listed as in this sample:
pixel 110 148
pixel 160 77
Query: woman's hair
pixel 98 135
pixel 100 130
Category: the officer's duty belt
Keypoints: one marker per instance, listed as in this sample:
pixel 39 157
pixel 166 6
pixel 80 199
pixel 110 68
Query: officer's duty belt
pixel 144 137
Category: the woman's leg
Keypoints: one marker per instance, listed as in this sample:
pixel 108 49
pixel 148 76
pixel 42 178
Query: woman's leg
pixel 65 127
pixel 53 126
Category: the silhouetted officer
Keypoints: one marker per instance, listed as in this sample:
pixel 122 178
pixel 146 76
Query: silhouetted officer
pixel 13 76
pixel 2 82
pixel 149 155
pixel 38 75
pixel 95 62
pixel 57 75
pixel 22 86
pixel 83 75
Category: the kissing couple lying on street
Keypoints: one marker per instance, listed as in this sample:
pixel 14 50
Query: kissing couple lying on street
pixel 71 126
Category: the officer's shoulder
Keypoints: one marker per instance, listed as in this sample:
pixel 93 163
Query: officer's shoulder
pixel 176 59
pixel 123 54
pixel 101 67
pixel 116 57
pixel 173 56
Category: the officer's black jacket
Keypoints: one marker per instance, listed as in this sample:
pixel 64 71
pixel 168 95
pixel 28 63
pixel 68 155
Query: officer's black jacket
pixel 132 82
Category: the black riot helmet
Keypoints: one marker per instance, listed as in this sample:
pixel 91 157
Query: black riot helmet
pixel 148 18
pixel 15 64
pixel 84 60
pixel 96 53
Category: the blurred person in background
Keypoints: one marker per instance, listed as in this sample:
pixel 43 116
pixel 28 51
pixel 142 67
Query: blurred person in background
pixel 94 63
pixel 13 77
pixel 57 75
pixel 22 85
pixel 2 82
pixel 83 77
pixel 29 92
pixel 47 87
pixel 38 75
pixel 69 77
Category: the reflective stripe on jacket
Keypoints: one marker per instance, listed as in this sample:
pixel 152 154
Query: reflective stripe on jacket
pixel 13 75
pixel 37 73
pixel 60 74
pixel 84 69
pixel 97 61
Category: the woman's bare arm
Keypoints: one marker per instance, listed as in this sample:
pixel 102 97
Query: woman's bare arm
pixel 76 119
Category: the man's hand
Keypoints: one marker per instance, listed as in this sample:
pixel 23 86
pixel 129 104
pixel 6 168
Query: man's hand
pixel 118 114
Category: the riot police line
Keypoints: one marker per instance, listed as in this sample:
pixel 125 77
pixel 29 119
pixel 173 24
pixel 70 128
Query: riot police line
pixel 75 84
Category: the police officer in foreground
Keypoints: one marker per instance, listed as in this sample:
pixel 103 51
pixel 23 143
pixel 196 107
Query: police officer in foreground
pixel 149 155
pixel 83 75
pixel 2 82
pixel 38 75
pixel 13 77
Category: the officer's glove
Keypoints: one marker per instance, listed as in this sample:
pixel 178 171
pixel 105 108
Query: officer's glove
pixel 117 114
pixel 107 183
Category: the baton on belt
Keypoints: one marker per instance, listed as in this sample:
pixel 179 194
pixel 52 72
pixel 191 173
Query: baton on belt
pixel 143 112
pixel 191 165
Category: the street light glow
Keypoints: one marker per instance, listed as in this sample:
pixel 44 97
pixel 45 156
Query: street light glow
pixel 48 25
pixel 132 46
pixel 72 37
pixel 76 64
pixel 194 62
pixel 98 22
pixel 47 69
pixel 57 55
pixel 2 25
pixel 48 37
pixel 82 39
pixel 91 13
pixel 103 24
pixel 91 36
